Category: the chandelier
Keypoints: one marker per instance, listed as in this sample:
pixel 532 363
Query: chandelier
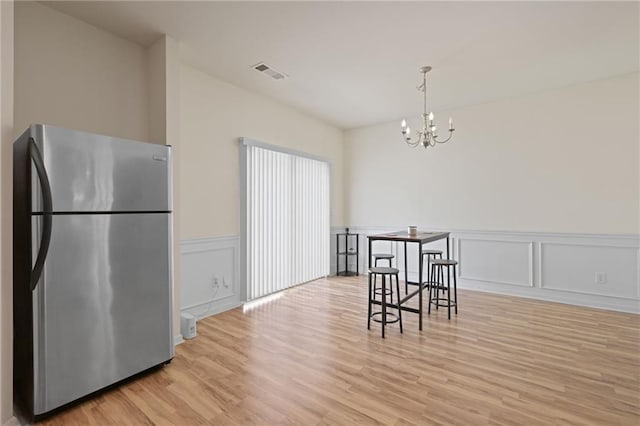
pixel 428 136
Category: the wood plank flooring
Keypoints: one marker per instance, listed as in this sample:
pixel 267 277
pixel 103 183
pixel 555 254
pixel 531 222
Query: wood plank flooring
pixel 307 358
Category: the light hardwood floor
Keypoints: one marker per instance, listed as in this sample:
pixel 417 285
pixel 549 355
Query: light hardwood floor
pixel 307 358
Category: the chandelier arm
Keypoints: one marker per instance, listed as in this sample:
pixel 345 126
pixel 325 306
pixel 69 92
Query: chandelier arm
pixel 446 140
pixel 418 141
pixel 412 144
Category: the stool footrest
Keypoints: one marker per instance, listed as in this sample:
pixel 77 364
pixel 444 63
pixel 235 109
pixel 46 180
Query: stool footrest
pixel 394 317
pixel 432 282
pixel 445 303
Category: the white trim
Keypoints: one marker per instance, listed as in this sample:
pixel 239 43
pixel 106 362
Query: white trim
pixel 12 421
pixel 208 301
pixel 196 245
pixel 177 339
pixel 624 240
pixel 251 142
pixel 216 308
pixel 557 296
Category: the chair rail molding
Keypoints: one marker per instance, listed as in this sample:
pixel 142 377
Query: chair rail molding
pixel 595 270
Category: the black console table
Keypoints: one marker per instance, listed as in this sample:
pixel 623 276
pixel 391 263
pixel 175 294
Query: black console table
pixel 346 251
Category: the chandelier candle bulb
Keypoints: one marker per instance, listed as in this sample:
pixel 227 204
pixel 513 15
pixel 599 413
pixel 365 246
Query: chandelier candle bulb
pixel 403 124
pixel 450 123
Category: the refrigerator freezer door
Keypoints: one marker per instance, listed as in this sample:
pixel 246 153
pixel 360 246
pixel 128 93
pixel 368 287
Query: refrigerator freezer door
pixel 102 308
pixel 95 173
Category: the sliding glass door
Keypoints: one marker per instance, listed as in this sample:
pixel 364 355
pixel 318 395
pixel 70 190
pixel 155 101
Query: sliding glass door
pixel 285 214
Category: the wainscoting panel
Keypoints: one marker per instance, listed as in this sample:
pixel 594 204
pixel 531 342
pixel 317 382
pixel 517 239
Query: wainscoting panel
pixel 601 271
pixel 556 267
pixel 496 261
pixel 587 268
pixel 210 275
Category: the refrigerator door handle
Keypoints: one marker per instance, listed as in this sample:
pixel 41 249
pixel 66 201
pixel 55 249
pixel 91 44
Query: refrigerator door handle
pixel 47 209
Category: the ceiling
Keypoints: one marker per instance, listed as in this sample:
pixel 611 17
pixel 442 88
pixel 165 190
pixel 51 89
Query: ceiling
pixel 353 64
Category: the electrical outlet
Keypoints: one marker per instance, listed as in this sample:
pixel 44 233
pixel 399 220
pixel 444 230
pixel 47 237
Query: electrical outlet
pixel 215 282
pixel 601 278
pixel 224 283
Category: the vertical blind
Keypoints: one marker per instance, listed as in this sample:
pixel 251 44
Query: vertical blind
pixel 287 220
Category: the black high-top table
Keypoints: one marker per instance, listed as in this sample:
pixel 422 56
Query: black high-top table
pixel 420 238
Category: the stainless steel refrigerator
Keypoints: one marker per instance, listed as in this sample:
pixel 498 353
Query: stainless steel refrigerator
pixel 92 264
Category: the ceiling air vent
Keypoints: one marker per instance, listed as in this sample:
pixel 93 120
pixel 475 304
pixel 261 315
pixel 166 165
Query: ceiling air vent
pixel 266 69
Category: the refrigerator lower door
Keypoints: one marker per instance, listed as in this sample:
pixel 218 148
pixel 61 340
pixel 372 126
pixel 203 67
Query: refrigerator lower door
pixel 102 308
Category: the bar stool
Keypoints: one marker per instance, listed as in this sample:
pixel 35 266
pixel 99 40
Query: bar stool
pixel 431 254
pixel 376 258
pixel 383 316
pixel 382 256
pixel 437 266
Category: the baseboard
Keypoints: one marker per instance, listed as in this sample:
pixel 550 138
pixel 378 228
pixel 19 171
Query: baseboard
pixel 177 339
pixel 13 421
pixel 216 308
pixel 600 302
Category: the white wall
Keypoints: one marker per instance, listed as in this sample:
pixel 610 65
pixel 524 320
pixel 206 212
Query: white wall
pixel 6 161
pixel 71 74
pixel 540 192
pixel 559 161
pixel 214 114
pixel 164 122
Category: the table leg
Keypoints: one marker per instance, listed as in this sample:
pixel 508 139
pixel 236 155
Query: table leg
pixel 357 255
pixel 448 271
pixel 420 285
pixel 384 303
pixel 406 272
pixel 337 254
pixel 369 254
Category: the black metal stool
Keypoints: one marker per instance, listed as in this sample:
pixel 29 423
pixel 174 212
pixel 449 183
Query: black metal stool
pixel 382 256
pixel 431 254
pixel 383 314
pixel 377 257
pixel 437 266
